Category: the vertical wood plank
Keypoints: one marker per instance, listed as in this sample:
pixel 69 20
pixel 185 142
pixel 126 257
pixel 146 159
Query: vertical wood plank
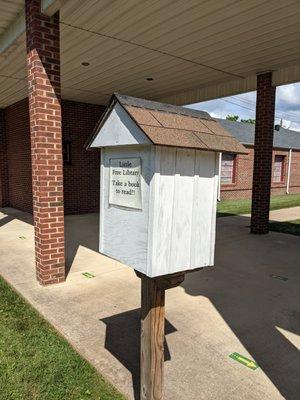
pixel 217 177
pixel 152 339
pixel 182 216
pixel 163 209
pixel 153 199
pixel 101 216
pixel 202 209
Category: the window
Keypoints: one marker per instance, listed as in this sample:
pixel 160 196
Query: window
pixel 66 150
pixel 228 168
pixel 278 168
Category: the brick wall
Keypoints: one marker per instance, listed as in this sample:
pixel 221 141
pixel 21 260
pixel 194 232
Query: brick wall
pixel 19 156
pixel 82 176
pixel 242 187
pixel 295 173
pixel 79 120
pixel 4 195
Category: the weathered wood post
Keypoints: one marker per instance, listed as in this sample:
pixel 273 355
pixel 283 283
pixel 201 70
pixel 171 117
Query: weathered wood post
pixel 152 339
pixel 153 333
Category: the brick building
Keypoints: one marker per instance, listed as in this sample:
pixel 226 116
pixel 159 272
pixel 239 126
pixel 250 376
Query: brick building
pixel 237 170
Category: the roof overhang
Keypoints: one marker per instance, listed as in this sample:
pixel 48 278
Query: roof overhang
pixel 193 51
pixel 281 76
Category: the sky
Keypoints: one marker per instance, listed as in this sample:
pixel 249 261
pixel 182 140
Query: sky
pixel 287 106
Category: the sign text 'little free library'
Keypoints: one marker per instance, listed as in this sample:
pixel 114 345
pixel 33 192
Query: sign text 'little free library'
pixel 125 182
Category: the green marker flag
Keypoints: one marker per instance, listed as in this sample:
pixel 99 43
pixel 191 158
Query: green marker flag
pixel 244 360
pixel 88 275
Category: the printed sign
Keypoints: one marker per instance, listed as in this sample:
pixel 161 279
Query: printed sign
pixel 125 182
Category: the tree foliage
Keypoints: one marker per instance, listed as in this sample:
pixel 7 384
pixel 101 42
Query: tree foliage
pixel 232 117
pixel 237 117
pixel 248 121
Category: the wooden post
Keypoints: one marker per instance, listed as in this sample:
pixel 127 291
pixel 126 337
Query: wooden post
pixel 153 333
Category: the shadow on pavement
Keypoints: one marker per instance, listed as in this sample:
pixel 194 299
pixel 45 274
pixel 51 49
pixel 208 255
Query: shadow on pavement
pixel 12 213
pixel 5 220
pixel 252 302
pixel 80 230
pixel 290 227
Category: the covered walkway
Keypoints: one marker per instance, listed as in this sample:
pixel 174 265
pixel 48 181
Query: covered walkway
pixel 234 307
pixel 58 56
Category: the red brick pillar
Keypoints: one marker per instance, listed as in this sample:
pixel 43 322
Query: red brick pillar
pixel 4 196
pixel 43 69
pixel 263 145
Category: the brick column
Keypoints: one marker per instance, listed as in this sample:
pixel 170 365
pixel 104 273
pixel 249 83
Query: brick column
pixel 263 145
pixel 4 195
pixel 43 69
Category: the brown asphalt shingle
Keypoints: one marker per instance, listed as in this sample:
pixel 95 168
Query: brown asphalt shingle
pixel 171 129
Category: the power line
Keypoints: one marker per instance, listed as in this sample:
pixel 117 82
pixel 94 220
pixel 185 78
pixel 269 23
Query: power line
pixel 278 110
pixel 251 102
pixel 236 104
pixel 152 49
pixel 277 114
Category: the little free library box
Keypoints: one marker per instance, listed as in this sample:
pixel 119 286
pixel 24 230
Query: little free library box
pixel 158 185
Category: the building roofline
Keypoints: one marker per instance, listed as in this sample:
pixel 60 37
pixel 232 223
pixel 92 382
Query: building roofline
pixel 283 139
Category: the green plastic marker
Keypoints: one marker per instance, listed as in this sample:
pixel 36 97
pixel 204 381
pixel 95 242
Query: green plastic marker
pixel 88 275
pixel 244 360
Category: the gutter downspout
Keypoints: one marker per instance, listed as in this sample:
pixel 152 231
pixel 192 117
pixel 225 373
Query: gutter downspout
pixel 219 182
pixel 289 173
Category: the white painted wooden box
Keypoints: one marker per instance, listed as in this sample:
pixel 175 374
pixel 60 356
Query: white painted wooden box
pixel 157 203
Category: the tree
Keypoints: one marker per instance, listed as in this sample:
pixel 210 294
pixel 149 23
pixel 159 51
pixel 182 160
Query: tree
pixel 232 117
pixel 248 121
pixel 237 117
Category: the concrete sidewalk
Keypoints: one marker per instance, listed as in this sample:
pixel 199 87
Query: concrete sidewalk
pixel 235 306
pixel 285 214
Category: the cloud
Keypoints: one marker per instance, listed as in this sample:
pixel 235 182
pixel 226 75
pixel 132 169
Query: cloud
pixel 288 98
pixel 287 106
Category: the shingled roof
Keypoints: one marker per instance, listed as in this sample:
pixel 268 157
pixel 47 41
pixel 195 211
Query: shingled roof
pixel 245 133
pixel 169 125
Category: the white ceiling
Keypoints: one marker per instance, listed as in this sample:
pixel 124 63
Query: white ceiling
pixel 9 10
pixel 193 49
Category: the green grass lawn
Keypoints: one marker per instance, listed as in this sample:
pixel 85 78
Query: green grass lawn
pixel 37 363
pixel 236 207
pixel 291 227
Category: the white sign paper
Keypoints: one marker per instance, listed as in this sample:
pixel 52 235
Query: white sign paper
pixel 125 182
